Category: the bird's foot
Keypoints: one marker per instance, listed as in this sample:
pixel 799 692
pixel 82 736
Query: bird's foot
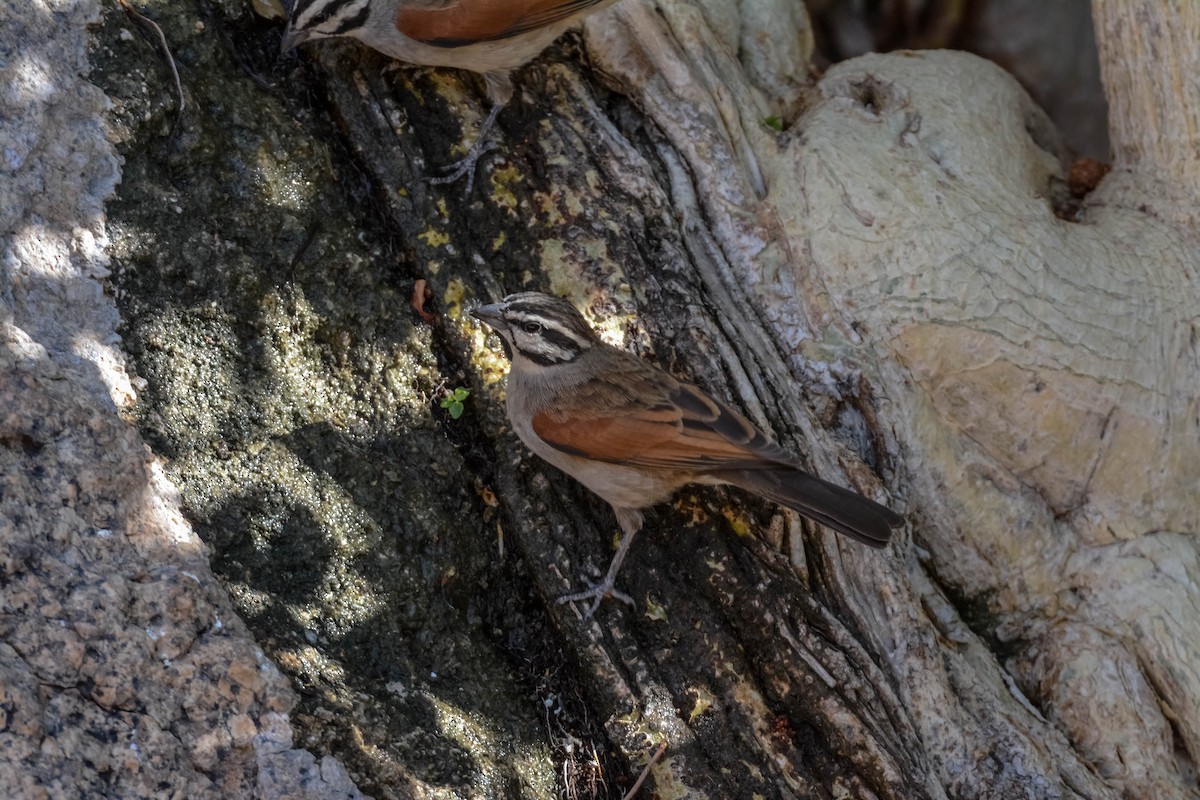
pixel 465 165
pixel 483 144
pixel 595 594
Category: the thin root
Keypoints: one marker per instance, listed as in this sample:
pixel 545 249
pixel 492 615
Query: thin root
pixel 646 771
pixel 162 40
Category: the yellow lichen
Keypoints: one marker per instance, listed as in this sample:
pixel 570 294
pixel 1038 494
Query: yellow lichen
pixel 434 238
pixel 503 178
pixel 654 611
pixel 704 701
pixel 737 521
pixel 452 298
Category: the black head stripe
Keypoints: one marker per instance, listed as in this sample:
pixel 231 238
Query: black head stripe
pixel 553 313
pixel 354 22
pixel 565 343
pixel 310 14
pixel 542 359
pixel 559 333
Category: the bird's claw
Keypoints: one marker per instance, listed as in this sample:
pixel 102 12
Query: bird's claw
pixel 596 592
pixel 464 166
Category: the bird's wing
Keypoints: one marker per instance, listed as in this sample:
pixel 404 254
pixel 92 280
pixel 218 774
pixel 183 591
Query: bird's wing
pixel 651 420
pixel 678 427
pixel 466 22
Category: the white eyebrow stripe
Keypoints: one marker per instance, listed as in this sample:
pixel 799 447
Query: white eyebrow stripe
pixel 552 325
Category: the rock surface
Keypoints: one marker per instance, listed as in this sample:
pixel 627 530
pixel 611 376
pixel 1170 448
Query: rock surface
pixel 124 670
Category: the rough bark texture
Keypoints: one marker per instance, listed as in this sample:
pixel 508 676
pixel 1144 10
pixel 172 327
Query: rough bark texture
pixel 1149 55
pixel 885 284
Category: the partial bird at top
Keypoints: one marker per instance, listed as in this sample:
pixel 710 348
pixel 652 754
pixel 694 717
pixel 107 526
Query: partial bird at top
pixel 491 37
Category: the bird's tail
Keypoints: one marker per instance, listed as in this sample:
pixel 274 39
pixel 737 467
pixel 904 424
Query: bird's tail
pixel 843 510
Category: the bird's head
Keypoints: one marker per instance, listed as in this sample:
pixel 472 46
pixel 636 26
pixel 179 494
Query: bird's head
pixel 318 19
pixel 539 329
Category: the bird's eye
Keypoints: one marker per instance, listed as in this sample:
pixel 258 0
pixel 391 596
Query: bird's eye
pixel 531 326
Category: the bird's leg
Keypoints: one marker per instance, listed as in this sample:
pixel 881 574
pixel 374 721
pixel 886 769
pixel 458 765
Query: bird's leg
pixel 466 165
pixel 631 522
pixel 596 592
pixel 499 91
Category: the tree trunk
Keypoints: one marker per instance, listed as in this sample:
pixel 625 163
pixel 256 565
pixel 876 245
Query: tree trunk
pixel 896 284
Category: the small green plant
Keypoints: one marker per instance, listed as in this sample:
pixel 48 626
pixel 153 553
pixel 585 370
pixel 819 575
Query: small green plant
pixel 774 123
pixel 453 401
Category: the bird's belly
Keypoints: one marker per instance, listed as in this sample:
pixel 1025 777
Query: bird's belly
pixel 620 486
pixel 502 55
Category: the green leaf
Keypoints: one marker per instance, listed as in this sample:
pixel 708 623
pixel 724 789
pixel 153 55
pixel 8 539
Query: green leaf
pixel 453 401
pixel 774 123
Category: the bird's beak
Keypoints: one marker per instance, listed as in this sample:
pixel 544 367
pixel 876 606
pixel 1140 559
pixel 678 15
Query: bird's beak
pixel 291 39
pixel 492 314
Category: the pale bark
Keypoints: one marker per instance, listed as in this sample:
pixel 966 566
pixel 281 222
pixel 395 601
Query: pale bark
pixel 1149 59
pixel 1040 376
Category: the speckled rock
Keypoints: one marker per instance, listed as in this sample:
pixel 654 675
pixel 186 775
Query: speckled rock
pixel 124 671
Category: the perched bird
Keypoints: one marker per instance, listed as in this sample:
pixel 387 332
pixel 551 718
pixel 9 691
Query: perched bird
pixel 634 435
pixel 491 37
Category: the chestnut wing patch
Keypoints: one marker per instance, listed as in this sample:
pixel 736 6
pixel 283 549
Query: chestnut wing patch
pixel 690 432
pixel 465 22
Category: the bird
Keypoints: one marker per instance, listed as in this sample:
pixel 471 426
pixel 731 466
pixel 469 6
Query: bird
pixel 490 37
pixel 634 434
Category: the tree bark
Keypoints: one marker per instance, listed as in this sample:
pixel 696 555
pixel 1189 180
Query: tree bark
pixel 1149 52
pixel 894 284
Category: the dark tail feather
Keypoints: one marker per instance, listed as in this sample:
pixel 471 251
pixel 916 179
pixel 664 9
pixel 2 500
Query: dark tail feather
pixel 843 510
